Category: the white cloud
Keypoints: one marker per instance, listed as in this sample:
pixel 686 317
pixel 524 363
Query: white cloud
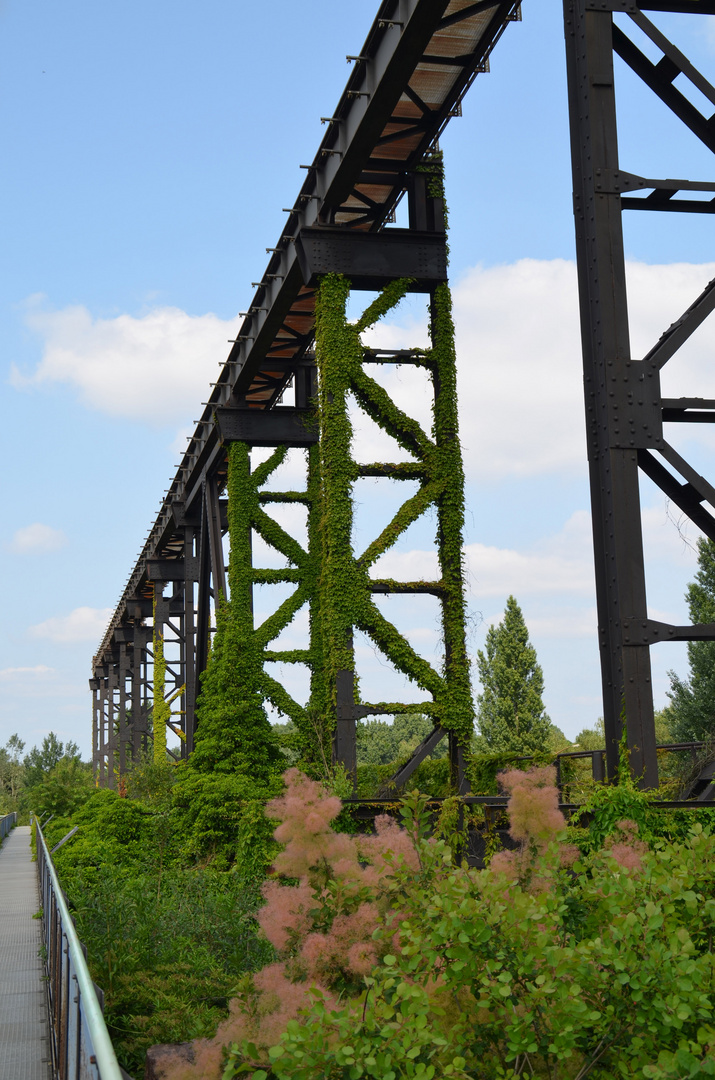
pixel 566 623
pixel 499 571
pixel 26 672
pixel 518 347
pixel 82 624
pixel 519 369
pixel 519 360
pixel 37 538
pixel 156 367
pixel 561 563
pixel 406 565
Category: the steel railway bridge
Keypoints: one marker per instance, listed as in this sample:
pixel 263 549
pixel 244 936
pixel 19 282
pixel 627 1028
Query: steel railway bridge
pixel 380 144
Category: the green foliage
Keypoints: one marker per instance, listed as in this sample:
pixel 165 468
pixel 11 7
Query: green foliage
pixel 610 804
pixel 151 782
pixel 383 747
pixel 51 779
pixel 457 714
pixel 112 832
pixel 12 774
pixel 65 788
pixel 40 762
pixel 161 710
pixel 233 733
pixel 605 971
pixel 431 777
pixel 591 738
pixel 209 810
pixel 327 574
pixel 236 763
pixel 344 597
pixel 288 738
pixel 692 708
pixel 483 769
pixel 166 939
pixel 380 743
pixel 510 710
pixel 166 958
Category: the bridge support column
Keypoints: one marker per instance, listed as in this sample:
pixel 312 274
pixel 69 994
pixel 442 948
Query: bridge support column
pixel 625 411
pixel 347 586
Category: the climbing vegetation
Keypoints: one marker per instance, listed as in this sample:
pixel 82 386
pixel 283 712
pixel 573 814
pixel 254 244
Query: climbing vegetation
pixel 161 710
pixel 344 588
pixel 236 764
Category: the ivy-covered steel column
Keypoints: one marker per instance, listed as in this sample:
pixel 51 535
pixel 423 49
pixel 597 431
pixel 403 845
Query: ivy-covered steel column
pixel 160 709
pixel 317 729
pixel 345 587
pixel 450 528
pixel 233 732
pixel 341 591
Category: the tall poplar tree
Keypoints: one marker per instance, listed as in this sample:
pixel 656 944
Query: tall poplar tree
pixel 510 710
pixel 692 700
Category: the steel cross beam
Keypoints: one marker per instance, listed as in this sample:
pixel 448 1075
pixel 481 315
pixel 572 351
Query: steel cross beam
pixel 624 408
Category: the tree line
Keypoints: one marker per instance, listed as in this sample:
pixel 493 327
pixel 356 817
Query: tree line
pixel 49 779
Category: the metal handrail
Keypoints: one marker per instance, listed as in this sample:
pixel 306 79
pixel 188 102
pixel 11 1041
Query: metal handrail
pixel 82 1048
pixel 6 823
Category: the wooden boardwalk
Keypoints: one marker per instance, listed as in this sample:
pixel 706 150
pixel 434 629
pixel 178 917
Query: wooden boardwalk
pixel 24 1028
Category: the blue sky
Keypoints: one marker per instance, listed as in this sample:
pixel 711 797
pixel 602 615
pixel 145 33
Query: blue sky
pixel 148 151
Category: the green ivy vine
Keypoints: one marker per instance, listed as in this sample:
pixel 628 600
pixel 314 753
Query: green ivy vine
pixel 344 586
pixel 161 709
pixel 326 574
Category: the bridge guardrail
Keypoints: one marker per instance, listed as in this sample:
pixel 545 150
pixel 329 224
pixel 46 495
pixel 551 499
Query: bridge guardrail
pixel 6 823
pixel 81 1046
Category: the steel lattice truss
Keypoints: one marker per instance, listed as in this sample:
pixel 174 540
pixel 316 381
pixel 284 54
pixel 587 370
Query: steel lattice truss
pixel 625 412
pixel 419 59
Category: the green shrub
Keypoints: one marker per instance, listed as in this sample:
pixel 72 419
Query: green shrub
pixel 539 966
pixel 167 950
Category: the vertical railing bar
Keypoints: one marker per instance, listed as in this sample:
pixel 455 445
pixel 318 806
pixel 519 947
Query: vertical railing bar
pixel 78 1021
pixel 66 1003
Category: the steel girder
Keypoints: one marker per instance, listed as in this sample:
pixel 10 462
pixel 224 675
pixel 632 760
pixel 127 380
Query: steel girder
pixel 624 408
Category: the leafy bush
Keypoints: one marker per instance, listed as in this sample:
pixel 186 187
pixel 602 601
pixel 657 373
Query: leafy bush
pixel 168 951
pixel 112 832
pixel 538 966
pixel 319 918
pixel 167 939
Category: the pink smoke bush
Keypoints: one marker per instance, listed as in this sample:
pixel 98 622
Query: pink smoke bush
pixel 321 927
pixel 535 823
pixel 624 846
pixel 286 912
pixel 534 814
pixel 306 811
pixel 390 845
